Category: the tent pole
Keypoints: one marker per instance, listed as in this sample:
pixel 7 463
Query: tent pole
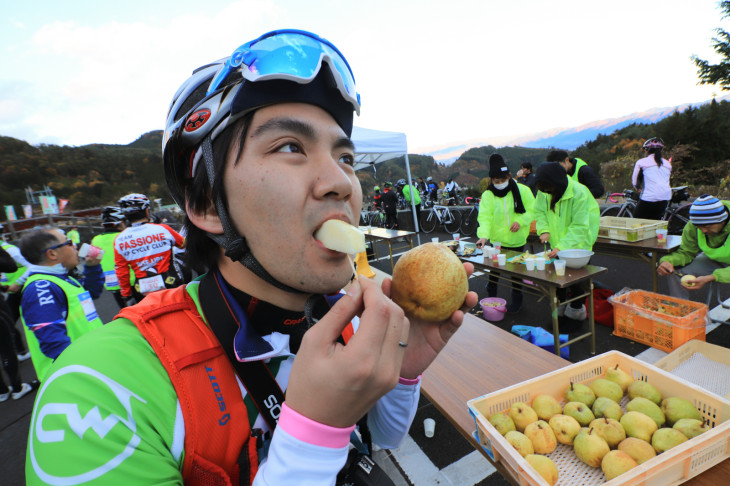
pixel 413 198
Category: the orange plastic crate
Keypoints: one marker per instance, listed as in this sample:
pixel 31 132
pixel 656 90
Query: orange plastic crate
pixel 660 321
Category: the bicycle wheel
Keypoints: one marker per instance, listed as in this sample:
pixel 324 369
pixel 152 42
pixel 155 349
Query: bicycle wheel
pixel 453 222
pixel 469 224
pixel 428 221
pixel 678 220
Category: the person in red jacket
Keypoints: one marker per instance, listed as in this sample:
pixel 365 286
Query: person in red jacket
pixel 145 249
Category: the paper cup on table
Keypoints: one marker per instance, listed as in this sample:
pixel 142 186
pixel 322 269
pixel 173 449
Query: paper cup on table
pixel 559 267
pixel 497 245
pixel 456 236
pixel 530 264
pixel 661 236
pixel 428 427
pixel 435 239
pixel 502 259
pixel 539 263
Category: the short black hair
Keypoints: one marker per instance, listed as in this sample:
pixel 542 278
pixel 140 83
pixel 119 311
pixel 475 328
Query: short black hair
pixel 526 165
pixel 34 244
pixel 201 252
pixel 557 156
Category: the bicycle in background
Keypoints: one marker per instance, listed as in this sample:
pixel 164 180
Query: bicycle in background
pixel 440 215
pixel 470 223
pixel 675 214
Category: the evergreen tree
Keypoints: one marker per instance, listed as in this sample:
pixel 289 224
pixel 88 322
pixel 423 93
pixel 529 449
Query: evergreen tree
pixel 717 74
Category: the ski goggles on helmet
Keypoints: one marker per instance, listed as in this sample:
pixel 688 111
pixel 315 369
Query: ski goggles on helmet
pixel 293 55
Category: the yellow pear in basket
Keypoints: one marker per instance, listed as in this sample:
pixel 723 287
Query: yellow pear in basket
pixel 522 415
pixel 605 407
pixel 542 437
pixel 691 427
pixel 676 408
pixel 615 463
pixel 606 388
pixel 647 407
pixel 638 425
pixel 545 406
pixel 520 442
pixel 502 423
pixel 590 447
pixel 611 431
pixel 665 439
pixel 620 377
pixel 565 428
pixel 544 466
pixel 639 450
pixel 580 412
pixel 644 389
pixel 578 392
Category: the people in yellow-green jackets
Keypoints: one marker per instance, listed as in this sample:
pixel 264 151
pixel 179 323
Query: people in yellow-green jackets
pixel 579 171
pixel 505 214
pixel 73 235
pixel 567 218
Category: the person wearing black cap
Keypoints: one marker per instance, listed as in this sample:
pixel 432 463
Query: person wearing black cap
pixel 705 248
pixel 390 205
pixel 579 171
pixel 567 218
pixel 505 214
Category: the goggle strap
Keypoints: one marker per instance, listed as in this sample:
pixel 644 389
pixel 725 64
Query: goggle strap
pixel 234 244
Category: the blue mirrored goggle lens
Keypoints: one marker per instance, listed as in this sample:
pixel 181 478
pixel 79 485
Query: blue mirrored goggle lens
pixel 295 55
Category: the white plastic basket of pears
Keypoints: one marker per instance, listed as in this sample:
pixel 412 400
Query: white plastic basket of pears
pixel 611 419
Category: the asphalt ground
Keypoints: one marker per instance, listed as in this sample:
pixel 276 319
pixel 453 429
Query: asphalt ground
pixel 447 447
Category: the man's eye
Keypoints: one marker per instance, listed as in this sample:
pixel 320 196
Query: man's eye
pixel 348 159
pixel 290 147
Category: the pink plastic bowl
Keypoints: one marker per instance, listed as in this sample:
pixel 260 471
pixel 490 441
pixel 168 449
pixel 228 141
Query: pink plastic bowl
pixel 493 313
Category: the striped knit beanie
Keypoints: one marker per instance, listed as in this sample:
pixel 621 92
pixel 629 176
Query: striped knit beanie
pixel 707 210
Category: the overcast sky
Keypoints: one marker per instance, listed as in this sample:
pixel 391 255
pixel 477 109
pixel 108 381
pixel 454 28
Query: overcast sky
pixel 77 72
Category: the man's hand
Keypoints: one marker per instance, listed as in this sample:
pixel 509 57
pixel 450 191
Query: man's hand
pixel 427 338
pixel 515 227
pixel 665 268
pixel 481 242
pixel 15 288
pixel 337 384
pixel 91 262
pixel 553 253
pixel 544 237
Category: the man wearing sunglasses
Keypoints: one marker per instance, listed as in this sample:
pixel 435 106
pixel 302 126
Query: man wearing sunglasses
pixel 188 385
pixel 55 308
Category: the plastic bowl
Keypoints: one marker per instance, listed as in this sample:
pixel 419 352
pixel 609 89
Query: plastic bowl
pixel 575 258
pixel 493 312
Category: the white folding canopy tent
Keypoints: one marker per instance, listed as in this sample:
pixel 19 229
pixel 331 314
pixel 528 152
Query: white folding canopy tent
pixel 376 146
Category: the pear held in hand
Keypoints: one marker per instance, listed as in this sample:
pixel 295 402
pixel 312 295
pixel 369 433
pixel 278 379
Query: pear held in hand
pixel 429 282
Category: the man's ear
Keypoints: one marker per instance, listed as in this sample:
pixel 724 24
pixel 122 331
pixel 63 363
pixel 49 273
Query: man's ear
pixel 207 219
